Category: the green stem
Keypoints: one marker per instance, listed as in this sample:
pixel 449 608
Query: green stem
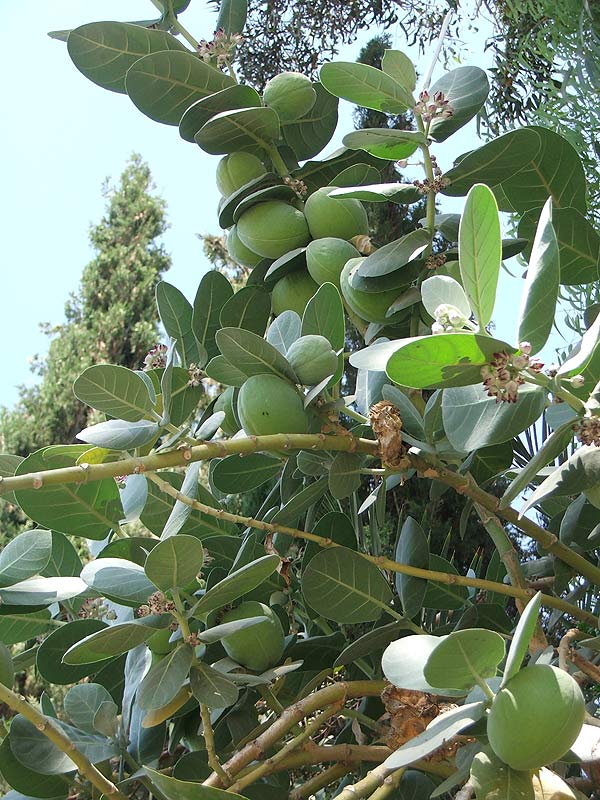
pixel 180 615
pixel 539 379
pixel 278 161
pixel 350 412
pixel 51 731
pixel 389 785
pixel 209 739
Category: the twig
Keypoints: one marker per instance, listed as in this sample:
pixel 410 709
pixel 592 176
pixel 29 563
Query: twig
pixel 209 739
pixel 589 669
pixel 320 781
pixel 438 50
pixel 565 643
pixel 380 561
pixel 466 793
pixel 52 732
pixel 367 785
pixel 389 785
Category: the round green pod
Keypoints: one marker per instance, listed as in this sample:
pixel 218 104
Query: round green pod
pixel 369 306
pixel 273 228
pixel 536 717
pixel 224 402
pixel 239 252
pixel 236 170
pixel 268 405
pixel 159 644
pixel 326 258
pixel 328 216
pixel 312 358
pixel 290 94
pixel 259 647
pixel 292 292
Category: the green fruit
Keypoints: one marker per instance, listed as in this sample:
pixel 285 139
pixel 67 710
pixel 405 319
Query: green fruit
pixel 268 404
pixel 159 643
pixel 536 717
pixel 260 646
pixel 312 358
pixel 239 252
pixel 224 402
pixel 273 228
pixel 290 94
pixel 325 259
pixel 292 292
pixel 369 306
pixel 328 216
pixel 236 170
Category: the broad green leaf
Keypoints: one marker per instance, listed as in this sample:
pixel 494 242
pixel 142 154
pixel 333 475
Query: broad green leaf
pixel 176 316
pixel 491 777
pixel 365 86
pixel 324 172
pixel 115 640
pixel 175 562
pixel 90 708
pixel 213 292
pixel 444 595
pixel 50 654
pixel 480 251
pixel 553 446
pixel 494 162
pixel 221 371
pixel 236 474
pixel 583 354
pixel 118 434
pixel 521 638
pixel 578 244
pixel 416 785
pixel 300 502
pixel 25 556
pixel 436 734
pixel 181 511
pixel 335 526
pixel 31 746
pixel 342 586
pixel 229 205
pixel 184 398
pixel 386 143
pixel 467 89
pixel 7 670
pixel 311 133
pixel 284 330
pixel 579 526
pixel 165 679
pixel 164 85
pixel 249 309
pixel 344 475
pixel 463 658
pixel 115 390
pixel 356 175
pixel 41 591
pixel 449 359
pixel 15 627
pixel 160 505
pixel 404 660
pixel 236 585
pixel 24 780
pixel 555 170
pixel 118 579
pixel 324 315
pixel 291 261
pixel 443 290
pixel 173 789
pixel 540 293
pixel 371 643
pixel 240 129
pixel 473 420
pixel 252 355
pixel 198 114
pixel 211 688
pixel 579 472
pixel 399 66
pixel 104 51
pixel 401 193
pixel 395 255
pixel 232 16
pixel 412 549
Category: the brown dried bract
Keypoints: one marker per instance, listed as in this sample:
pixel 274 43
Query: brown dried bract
pixel 387 426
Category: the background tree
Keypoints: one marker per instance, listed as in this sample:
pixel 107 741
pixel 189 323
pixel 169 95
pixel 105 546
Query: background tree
pixel 111 318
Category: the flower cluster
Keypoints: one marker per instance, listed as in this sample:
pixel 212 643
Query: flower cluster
pixel 156 358
pixel 296 185
pixel 220 49
pixel 436 107
pixel 157 604
pixel 94 608
pixel 195 373
pixel 502 376
pixel 448 319
pixel 435 261
pixel 588 431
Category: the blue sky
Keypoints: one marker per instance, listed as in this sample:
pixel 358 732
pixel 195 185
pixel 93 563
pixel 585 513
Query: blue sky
pixel 64 136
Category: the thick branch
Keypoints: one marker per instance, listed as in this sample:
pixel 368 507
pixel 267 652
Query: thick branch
pixel 46 726
pixel 524 594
